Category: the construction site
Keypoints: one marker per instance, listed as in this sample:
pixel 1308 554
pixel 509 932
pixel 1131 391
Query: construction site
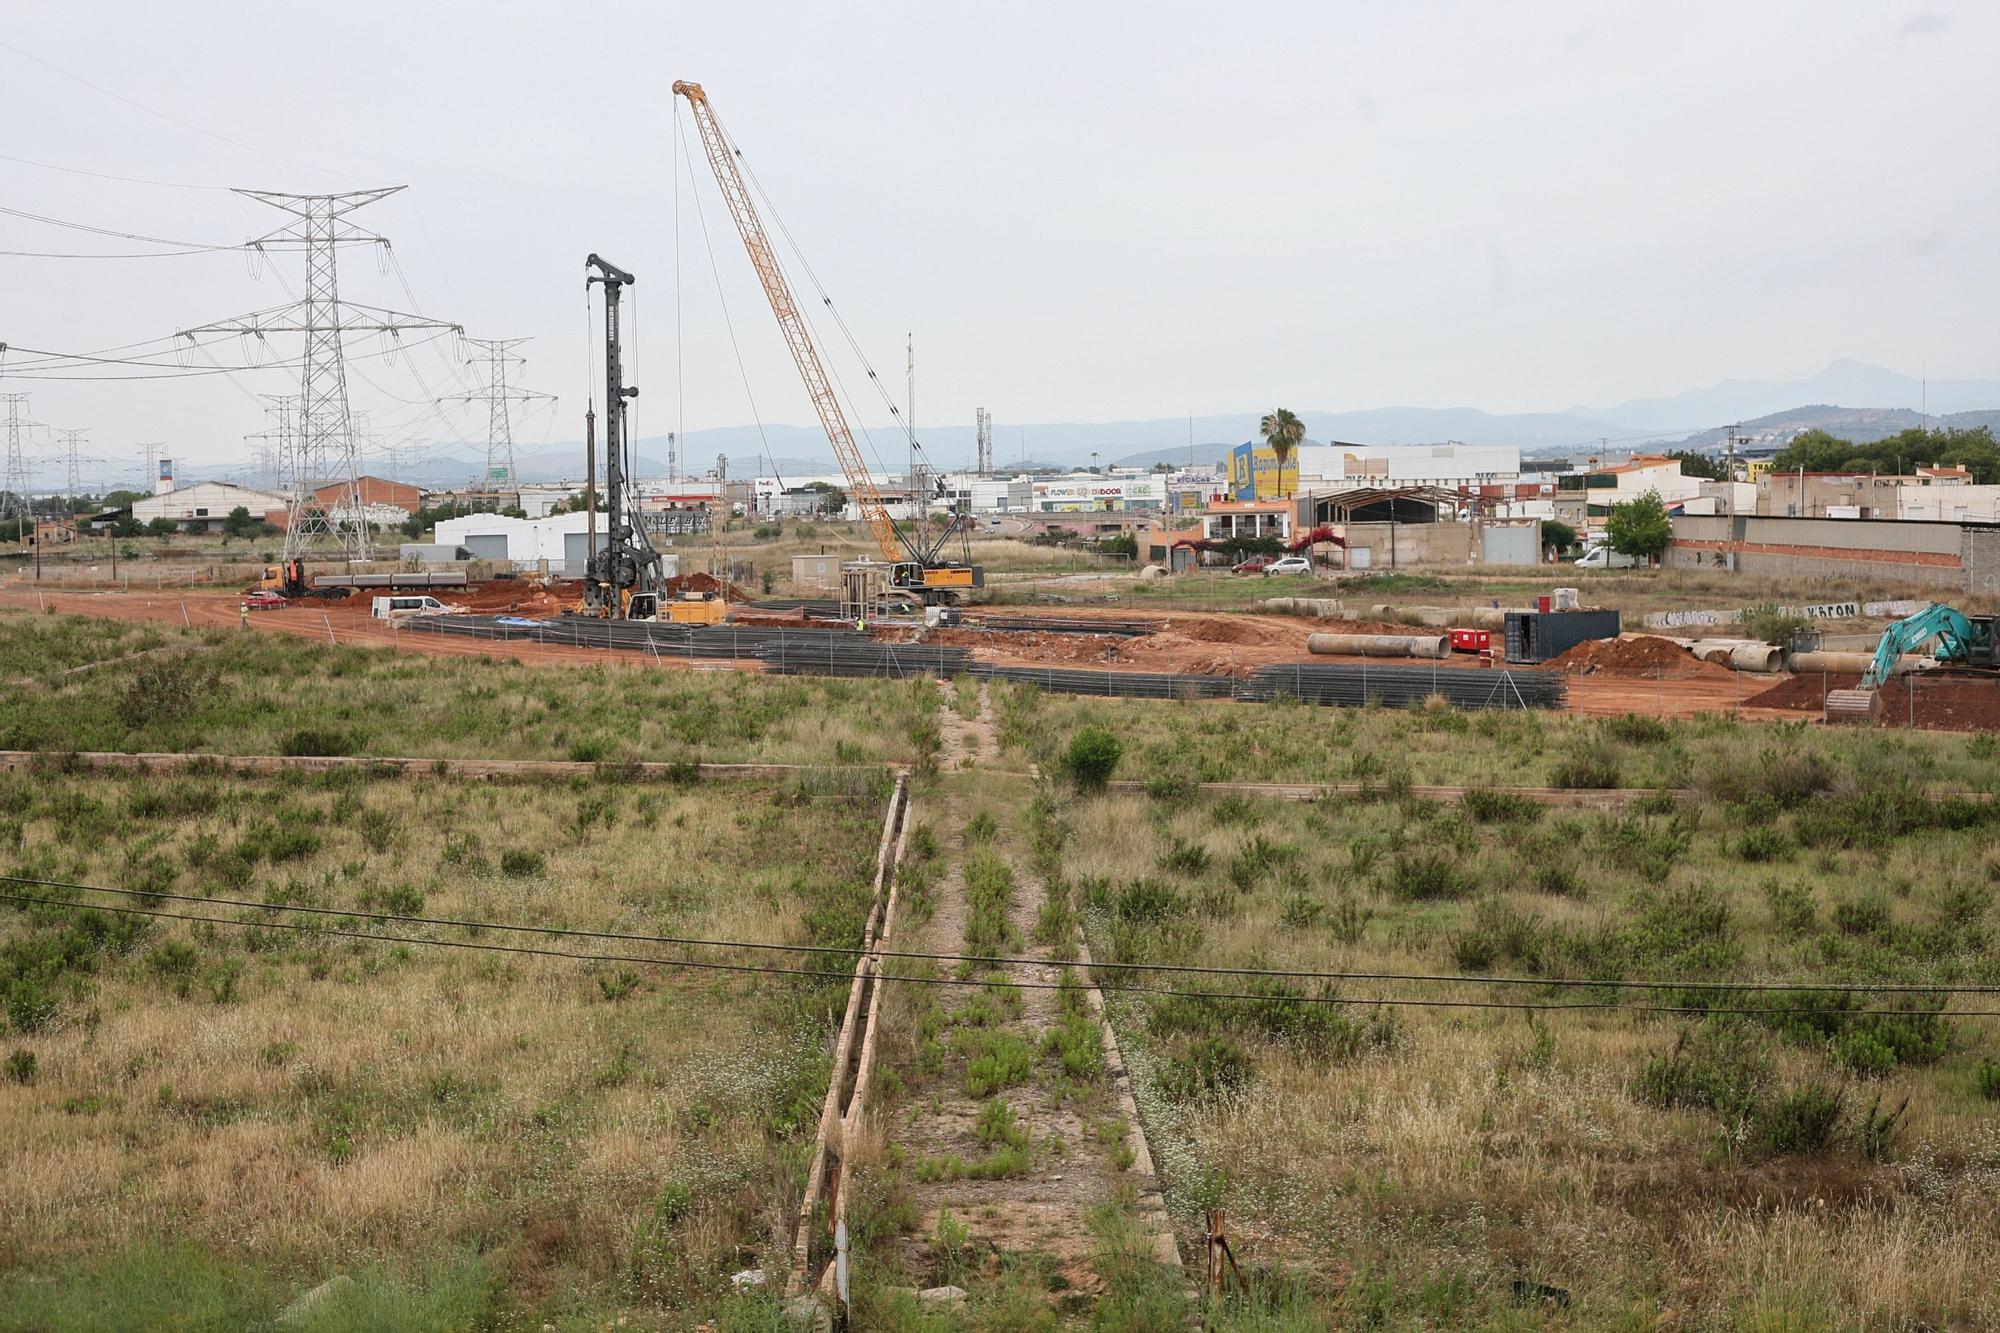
pixel 915 899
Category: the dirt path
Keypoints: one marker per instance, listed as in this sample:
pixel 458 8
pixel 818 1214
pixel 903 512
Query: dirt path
pixel 1018 1168
pixel 1059 1155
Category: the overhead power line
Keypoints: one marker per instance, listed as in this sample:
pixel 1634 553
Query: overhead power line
pixel 754 969
pixel 1179 969
pixel 175 120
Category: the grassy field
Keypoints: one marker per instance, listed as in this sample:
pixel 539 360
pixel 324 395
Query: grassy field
pixel 206 1119
pixel 231 693
pixel 1177 743
pixel 1811 1169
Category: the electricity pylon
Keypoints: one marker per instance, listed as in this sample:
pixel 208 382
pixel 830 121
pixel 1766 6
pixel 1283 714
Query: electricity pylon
pixel 15 497
pixel 323 450
pixel 498 355
pixel 73 472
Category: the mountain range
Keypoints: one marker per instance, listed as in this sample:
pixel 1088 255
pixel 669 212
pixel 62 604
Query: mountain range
pixel 1850 398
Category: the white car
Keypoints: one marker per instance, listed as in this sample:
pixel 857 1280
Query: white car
pixel 1603 557
pixel 1291 564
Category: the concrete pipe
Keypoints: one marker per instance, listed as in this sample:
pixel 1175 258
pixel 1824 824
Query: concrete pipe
pixel 1324 608
pixel 1741 654
pixel 1851 664
pixel 1482 617
pixel 1380 645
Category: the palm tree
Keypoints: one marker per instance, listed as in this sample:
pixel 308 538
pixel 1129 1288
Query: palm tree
pixel 1283 431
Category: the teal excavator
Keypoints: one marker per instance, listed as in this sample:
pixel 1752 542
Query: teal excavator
pixel 1962 640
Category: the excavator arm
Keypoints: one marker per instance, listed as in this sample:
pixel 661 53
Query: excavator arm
pixel 1959 640
pixel 778 290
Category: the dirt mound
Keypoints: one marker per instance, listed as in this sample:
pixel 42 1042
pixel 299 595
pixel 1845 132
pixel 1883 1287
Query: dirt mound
pixel 517 597
pixel 1248 630
pixel 1930 701
pixel 1642 655
pixel 699 582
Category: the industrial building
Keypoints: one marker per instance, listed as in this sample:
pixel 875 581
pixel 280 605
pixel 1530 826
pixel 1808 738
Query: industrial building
pixel 560 543
pixel 1956 557
pixel 1254 473
pixel 207 504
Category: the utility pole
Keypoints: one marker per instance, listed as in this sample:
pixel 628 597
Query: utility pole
pixel 15 497
pixel 324 446
pixel 499 356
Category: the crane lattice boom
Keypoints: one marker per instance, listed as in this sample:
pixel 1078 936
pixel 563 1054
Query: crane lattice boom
pixel 860 485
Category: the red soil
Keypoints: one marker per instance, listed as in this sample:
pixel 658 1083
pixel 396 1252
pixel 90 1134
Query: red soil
pixel 1928 700
pixel 1642 655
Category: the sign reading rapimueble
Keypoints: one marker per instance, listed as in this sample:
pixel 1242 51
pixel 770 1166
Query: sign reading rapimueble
pixel 1814 611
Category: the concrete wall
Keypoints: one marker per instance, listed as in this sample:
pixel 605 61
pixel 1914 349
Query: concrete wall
pixel 1401 545
pixel 1949 557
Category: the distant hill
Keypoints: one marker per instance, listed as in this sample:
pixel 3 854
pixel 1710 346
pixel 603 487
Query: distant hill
pixel 1843 381
pixel 1860 424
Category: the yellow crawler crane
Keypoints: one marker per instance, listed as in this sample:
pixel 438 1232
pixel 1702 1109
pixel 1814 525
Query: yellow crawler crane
pixel 916 573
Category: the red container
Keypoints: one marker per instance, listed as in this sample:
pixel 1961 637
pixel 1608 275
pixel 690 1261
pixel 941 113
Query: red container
pixel 1471 640
pixel 1542 605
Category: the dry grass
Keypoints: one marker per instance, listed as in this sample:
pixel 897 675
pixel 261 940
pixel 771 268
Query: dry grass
pixel 599 1133
pixel 1425 1173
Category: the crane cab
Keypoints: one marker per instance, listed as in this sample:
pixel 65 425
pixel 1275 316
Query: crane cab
pixel 940 584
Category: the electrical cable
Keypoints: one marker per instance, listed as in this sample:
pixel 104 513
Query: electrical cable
pixel 107 176
pixel 1178 969
pixel 175 120
pixel 705 965
pixel 189 246
pixel 714 268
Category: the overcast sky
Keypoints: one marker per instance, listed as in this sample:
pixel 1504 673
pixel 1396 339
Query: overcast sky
pixel 1083 212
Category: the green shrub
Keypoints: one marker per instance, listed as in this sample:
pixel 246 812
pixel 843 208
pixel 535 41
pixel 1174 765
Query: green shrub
pixel 1988 1080
pixel 1636 729
pixel 1210 1068
pixel 1501 807
pixel 994 1060
pixel 1865 913
pixel 517 863
pixel 1763 844
pixel 1148 900
pixel 1092 757
pixel 319 741
pixel 1718 1066
pixel 21 1065
pixel 1794 912
pixel 1428 875
pixel 1805 1121
pixel 1592 767
pixel 1185 858
pixel 982 827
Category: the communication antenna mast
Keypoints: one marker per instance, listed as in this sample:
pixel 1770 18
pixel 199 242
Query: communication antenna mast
pixel 985 447
pixel 499 356
pixel 324 447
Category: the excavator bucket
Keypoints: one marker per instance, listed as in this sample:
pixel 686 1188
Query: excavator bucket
pixel 1853 707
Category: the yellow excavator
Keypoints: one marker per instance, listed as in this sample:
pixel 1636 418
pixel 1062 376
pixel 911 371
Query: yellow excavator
pixel 913 571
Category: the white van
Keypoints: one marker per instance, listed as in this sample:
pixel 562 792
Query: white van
pixel 391 608
pixel 1603 557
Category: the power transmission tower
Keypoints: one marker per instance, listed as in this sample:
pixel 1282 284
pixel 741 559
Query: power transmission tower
pixel 499 356
pixel 277 441
pixel 72 477
pixel 15 498
pixel 323 449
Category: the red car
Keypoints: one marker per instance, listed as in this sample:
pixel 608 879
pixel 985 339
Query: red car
pixel 265 600
pixel 1254 565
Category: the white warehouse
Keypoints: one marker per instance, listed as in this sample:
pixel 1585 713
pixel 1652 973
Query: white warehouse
pixel 562 541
